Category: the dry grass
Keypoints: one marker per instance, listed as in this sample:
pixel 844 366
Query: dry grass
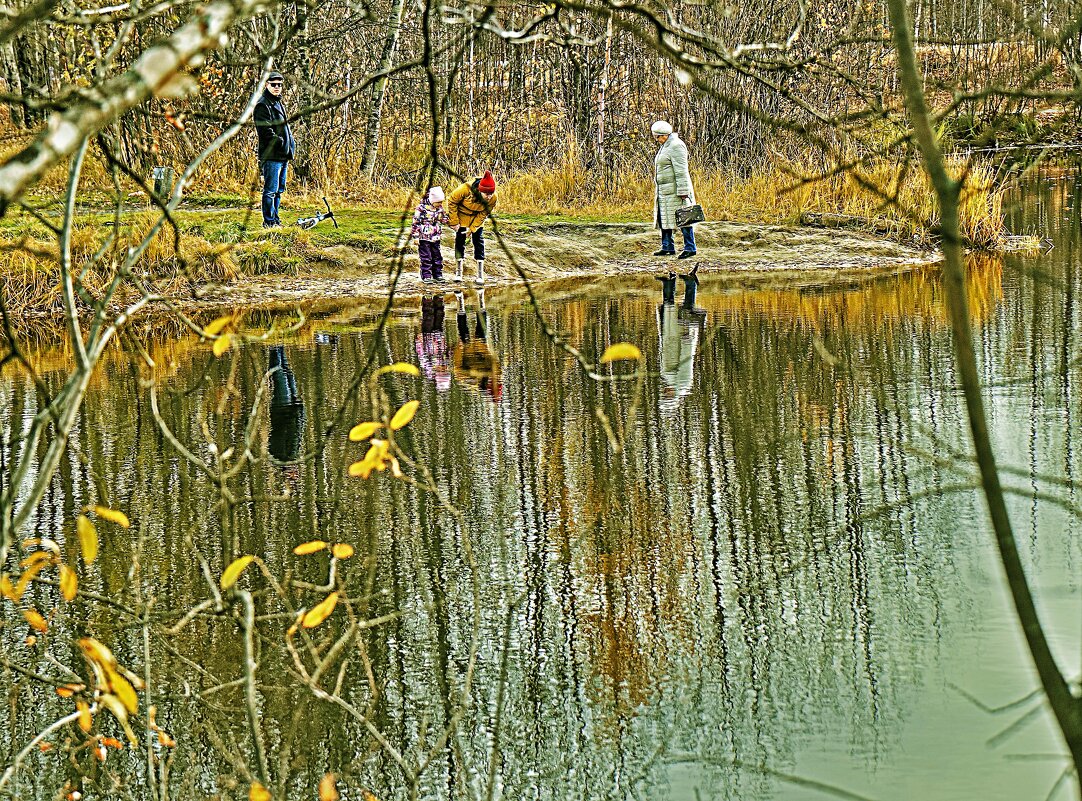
pixel 781 195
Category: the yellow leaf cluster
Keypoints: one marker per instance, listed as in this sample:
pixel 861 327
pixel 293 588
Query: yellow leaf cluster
pixel 340 550
pixel 378 458
pixel 115 685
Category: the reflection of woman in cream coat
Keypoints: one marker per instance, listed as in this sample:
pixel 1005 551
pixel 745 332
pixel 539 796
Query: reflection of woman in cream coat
pixel 678 338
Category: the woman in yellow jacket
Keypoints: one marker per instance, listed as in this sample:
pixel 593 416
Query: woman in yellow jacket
pixel 467 209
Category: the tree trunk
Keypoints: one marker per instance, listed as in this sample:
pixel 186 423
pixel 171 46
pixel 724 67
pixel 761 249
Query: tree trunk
pixel 1065 707
pixel 379 89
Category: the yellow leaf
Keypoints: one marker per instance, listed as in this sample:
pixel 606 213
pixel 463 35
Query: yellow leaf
pixel 403 416
pixel 85 720
pixel 214 327
pixel 36 621
pixel 306 548
pixel 359 469
pixel 26 578
pixel 232 573
pixel 123 690
pixel 69 583
pixel 401 367
pixel 321 611
pixel 328 790
pixel 120 712
pixel 44 542
pixel 6 589
pixel 342 550
pixel 221 344
pixel 363 431
pixel 113 516
pixel 257 792
pixel 88 539
pixel 621 351
pixel 97 652
pixel 36 558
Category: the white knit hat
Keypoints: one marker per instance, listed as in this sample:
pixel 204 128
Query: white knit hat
pixel 435 194
pixel 661 128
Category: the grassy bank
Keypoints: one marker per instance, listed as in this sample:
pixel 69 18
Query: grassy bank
pixel 218 235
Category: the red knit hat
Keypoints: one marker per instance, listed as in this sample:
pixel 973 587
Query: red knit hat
pixel 487 184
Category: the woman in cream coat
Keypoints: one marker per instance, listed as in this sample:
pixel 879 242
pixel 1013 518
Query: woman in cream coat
pixel 673 189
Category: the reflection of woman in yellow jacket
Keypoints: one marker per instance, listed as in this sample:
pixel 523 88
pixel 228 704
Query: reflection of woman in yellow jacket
pixel 467 209
pixel 474 364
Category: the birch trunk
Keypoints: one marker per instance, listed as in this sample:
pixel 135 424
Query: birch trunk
pixel 379 88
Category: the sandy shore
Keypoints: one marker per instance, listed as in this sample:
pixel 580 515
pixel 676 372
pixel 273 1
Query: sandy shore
pixel 729 253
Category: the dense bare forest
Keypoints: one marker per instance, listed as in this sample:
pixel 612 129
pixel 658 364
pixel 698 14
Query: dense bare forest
pixel 376 89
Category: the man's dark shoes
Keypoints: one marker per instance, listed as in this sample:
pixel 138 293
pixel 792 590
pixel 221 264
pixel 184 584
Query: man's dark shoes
pixel 687 254
pixel 664 252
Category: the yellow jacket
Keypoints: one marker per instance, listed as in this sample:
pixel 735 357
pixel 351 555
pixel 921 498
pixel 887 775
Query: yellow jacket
pixel 466 207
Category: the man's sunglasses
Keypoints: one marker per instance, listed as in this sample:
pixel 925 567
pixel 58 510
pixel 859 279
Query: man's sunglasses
pixel 274 83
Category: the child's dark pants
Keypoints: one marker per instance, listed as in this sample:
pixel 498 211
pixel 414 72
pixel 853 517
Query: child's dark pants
pixel 431 259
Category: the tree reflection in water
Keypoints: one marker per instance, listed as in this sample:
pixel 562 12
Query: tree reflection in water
pixel 765 562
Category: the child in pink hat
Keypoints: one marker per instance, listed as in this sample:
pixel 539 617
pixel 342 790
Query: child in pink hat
pixel 428 222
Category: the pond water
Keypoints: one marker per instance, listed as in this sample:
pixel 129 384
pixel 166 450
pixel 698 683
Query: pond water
pixel 764 573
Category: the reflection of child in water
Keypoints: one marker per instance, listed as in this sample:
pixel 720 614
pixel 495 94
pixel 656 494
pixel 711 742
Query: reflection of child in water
pixel 678 337
pixel 431 343
pixel 474 364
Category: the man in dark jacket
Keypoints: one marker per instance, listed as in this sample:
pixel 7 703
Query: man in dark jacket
pixel 276 146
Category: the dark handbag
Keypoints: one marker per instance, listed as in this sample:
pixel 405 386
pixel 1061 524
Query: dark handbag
pixel 689 214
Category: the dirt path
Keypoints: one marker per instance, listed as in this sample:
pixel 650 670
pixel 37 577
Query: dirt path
pixel 740 254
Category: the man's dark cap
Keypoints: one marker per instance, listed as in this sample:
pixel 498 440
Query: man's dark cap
pixel 276 76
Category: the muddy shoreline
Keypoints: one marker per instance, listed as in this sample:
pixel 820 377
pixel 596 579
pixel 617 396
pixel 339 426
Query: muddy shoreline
pixel 560 257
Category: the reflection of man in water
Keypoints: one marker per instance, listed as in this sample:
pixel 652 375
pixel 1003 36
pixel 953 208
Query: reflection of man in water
pixel 678 337
pixel 286 409
pixel 431 343
pixel 474 364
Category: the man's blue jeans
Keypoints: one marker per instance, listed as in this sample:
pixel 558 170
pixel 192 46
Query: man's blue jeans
pixel 668 241
pixel 274 184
